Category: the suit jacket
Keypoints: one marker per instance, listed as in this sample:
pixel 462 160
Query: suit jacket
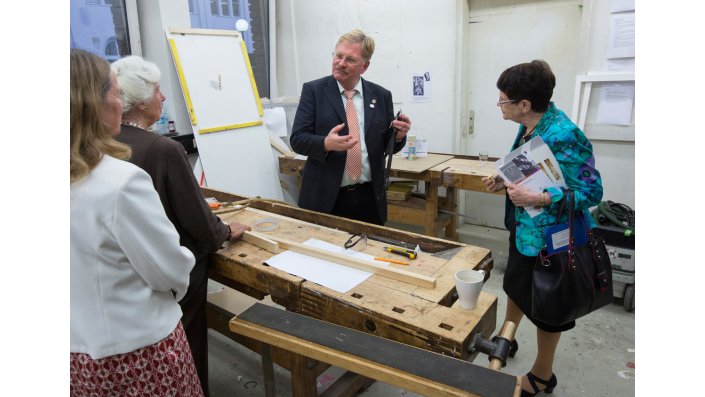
pixel 320 109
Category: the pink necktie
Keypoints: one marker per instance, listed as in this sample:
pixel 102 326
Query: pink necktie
pixel 353 163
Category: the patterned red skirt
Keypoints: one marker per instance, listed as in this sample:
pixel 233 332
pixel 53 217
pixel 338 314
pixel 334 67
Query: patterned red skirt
pixel 163 369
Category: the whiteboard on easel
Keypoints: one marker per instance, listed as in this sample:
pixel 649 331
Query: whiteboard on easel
pixel 225 111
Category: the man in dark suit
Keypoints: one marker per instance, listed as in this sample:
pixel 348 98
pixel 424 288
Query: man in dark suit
pixel 344 124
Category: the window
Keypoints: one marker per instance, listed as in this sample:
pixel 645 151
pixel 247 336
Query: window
pixel 100 26
pixel 112 53
pixel 222 14
pixel 225 8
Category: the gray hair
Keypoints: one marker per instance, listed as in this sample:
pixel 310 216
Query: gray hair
pixel 137 78
pixel 358 36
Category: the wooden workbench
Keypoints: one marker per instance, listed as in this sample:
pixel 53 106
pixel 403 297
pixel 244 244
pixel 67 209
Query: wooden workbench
pixel 426 318
pixel 453 172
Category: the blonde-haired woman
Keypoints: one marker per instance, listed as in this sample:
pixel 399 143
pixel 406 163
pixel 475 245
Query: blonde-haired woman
pixel 127 267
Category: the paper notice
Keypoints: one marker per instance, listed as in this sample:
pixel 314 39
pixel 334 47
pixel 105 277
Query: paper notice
pixel 621 40
pixel 616 104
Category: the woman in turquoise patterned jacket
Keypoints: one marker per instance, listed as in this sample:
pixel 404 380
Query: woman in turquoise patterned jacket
pixel 525 91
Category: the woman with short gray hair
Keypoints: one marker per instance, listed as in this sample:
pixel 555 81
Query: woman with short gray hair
pixel 165 161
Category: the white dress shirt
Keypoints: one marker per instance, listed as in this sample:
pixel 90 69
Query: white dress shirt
pixel 358 101
pixel 126 262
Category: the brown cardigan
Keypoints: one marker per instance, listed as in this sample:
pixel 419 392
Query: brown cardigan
pixel 165 161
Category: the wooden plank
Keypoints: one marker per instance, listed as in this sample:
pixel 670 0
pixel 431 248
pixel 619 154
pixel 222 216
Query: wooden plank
pixel 382 270
pixel 420 164
pixel 410 212
pixel 261 241
pixel 404 366
pixel 464 174
pixel 280 148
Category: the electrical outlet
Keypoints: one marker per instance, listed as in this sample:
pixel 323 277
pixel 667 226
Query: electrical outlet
pixel 471 122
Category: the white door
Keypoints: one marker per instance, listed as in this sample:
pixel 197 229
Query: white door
pixel 500 34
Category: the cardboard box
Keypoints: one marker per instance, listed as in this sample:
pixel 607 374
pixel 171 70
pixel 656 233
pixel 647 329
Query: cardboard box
pixel 234 301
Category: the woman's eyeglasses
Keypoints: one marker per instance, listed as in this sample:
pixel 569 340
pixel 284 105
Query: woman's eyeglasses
pixel 500 103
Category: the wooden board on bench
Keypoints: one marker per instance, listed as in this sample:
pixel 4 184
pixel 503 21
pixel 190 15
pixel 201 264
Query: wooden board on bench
pixel 395 363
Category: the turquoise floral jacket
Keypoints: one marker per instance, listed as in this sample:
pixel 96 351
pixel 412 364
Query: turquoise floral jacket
pixel 574 154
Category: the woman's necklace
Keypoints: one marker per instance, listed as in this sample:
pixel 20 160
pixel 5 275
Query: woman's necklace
pixel 133 124
pixel 529 132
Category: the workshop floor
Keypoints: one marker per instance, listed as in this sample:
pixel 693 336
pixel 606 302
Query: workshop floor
pixel 596 358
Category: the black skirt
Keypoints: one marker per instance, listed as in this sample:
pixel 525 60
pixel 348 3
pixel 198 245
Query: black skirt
pixel 517 279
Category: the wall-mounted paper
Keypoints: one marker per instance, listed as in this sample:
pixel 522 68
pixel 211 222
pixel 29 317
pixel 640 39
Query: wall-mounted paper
pixel 421 86
pixel 622 5
pixel 621 65
pixel 622 36
pixel 616 104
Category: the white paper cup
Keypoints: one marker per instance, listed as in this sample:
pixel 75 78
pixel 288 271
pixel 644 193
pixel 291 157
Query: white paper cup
pixel 468 283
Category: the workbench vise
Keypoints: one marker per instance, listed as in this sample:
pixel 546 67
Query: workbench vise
pixel 497 348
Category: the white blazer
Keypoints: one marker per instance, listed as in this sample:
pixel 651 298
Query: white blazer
pixel 128 270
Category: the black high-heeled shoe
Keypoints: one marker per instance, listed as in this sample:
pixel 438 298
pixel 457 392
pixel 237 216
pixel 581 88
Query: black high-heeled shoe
pixel 550 385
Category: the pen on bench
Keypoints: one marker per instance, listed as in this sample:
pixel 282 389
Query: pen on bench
pixel 392 261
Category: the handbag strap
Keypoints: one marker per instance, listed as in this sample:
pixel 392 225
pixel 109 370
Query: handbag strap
pixel 570 198
pixel 601 276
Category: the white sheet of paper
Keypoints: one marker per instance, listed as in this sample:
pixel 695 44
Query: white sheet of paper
pixel 622 5
pixel 616 104
pixel 337 277
pixel 622 36
pixel 275 120
pixel 621 65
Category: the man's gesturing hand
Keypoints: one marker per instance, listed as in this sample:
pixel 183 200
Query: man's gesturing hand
pixel 337 142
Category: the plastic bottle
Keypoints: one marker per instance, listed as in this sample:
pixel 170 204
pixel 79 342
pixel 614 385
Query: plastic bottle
pixel 162 125
pixel 411 144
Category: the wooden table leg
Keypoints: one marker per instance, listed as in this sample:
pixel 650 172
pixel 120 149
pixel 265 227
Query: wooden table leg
pixel 451 199
pixel 267 370
pixel 431 208
pixel 303 376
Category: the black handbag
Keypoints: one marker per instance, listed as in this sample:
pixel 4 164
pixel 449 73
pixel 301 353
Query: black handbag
pixel 571 283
